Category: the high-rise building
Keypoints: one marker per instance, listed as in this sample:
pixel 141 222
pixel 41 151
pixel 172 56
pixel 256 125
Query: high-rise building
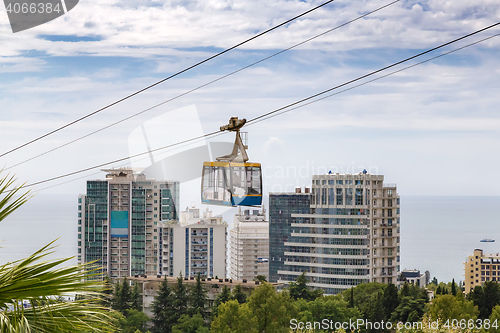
pixel 282 206
pixel 349 235
pixel 249 245
pixel 195 245
pixel 480 268
pixel 118 222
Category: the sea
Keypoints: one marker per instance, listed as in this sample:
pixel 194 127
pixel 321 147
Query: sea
pixel 437 232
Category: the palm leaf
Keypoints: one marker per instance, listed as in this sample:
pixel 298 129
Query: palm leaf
pixel 8 203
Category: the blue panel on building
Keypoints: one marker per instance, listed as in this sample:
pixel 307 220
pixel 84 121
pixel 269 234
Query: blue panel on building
pixel 119 223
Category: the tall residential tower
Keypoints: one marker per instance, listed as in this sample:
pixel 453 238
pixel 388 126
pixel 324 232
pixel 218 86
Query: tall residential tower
pixel 348 236
pixel 118 222
pixel 249 245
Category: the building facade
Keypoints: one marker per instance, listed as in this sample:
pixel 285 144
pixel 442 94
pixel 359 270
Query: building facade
pixel 414 276
pixel 195 245
pixel 348 236
pixel 281 208
pixel 480 268
pixel 249 245
pixel 150 286
pixel 118 222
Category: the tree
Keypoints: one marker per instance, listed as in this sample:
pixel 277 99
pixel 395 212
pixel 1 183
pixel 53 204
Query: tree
pixel 135 321
pixel 163 314
pixel 39 282
pixel 495 315
pixel 390 300
pixel 180 299
pixel 136 298
pixel 351 298
pixel 261 278
pixel 452 307
pixel 239 295
pixel 485 297
pixel 299 289
pixel 453 287
pixel 272 310
pixel 427 277
pixel 108 292
pixel 434 281
pixel 222 298
pixel 187 324
pixel 233 317
pixel 198 299
pixel 122 297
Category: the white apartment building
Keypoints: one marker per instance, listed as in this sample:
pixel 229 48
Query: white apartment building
pixel 195 245
pixel 249 245
pixel 350 236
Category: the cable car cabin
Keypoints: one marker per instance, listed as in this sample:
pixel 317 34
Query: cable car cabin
pixel 231 184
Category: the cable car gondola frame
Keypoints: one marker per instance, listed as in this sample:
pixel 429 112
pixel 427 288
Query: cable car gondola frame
pixel 232 180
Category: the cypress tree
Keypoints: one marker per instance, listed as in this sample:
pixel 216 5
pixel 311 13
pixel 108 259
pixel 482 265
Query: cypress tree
pixel 180 298
pixel 453 287
pixel 136 298
pixel 198 298
pixel 223 297
pixel 108 292
pixel 163 314
pixel 124 298
pixel 239 295
pixel 390 300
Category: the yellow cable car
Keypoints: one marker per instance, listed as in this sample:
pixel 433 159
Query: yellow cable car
pixel 231 180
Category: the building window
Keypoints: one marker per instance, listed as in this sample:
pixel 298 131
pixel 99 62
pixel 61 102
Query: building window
pixel 340 182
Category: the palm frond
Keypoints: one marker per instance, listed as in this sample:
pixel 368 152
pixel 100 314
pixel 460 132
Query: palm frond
pixel 39 282
pixel 8 203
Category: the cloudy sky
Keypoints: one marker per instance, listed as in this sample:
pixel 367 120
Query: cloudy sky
pixel 428 129
pixel 433 129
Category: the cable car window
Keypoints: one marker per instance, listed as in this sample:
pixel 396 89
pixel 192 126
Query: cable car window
pixel 239 181
pixel 256 176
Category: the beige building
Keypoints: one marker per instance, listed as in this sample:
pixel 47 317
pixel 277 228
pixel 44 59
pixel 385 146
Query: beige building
pixel 150 284
pixel 349 236
pixel 249 245
pixel 480 268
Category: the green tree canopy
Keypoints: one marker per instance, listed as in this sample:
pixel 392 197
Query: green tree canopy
pixel 187 324
pixel 299 289
pixel 239 295
pixel 163 313
pixel 198 299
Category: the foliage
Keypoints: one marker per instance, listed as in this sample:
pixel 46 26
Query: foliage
pixel 452 307
pixel 179 299
pixel 223 297
pixel 163 314
pixel 390 300
pixel 485 297
pixel 187 324
pixel 198 299
pixel 332 308
pixel 272 310
pixel 233 317
pixel 8 193
pixel 261 278
pixel 37 281
pixel 239 295
pixel 122 297
pixel 299 289
pixel 133 322
pixel 40 284
pixel 265 311
pixel 136 298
